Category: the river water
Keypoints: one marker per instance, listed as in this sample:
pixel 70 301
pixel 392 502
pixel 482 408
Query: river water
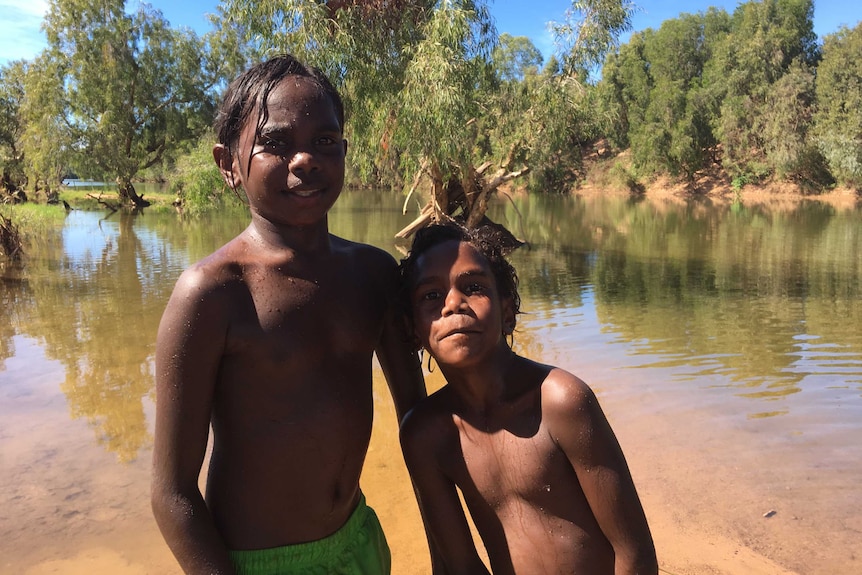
pixel 723 341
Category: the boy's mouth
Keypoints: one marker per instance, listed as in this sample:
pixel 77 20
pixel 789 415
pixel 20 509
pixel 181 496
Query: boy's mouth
pixel 459 331
pixel 305 192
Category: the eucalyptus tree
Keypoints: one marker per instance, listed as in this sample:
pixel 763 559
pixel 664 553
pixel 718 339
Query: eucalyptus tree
pixel 419 85
pixel 624 90
pixel 589 31
pixel 515 57
pixel 766 39
pixel 11 126
pixel 676 135
pixel 838 121
pixel 46 137
pixel 132 87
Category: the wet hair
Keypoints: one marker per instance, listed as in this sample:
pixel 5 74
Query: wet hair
pixel 250 91
pixel 490 241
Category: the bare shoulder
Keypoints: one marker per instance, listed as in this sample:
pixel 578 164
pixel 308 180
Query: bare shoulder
pixel 570 406
pixel 209 280
pixel 563 391
pixel 367 265
pixel 370 255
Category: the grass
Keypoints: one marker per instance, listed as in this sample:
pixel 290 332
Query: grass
pixel 22 224
pixel 84 197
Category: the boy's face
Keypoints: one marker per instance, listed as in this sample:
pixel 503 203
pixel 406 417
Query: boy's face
pixel 458 313
pixel 292 169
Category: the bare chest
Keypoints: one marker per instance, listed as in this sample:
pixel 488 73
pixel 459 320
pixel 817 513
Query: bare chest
pixel 290 318
pixel 504 466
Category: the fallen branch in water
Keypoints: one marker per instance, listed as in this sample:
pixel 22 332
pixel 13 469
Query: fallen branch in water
pixel 99 199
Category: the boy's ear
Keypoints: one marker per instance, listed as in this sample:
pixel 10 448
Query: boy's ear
pixel 509 320
pixel 224 160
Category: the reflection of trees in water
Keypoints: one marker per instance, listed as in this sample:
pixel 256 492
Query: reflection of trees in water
pixel 733 289
pixel 98 316
pixel 15 299
pixel 555 265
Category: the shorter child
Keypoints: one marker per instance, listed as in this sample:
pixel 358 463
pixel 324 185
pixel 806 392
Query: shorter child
pixel 527 444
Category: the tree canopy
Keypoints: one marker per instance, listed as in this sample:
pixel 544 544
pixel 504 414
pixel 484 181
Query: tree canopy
pixel 130 90
pixel 440 105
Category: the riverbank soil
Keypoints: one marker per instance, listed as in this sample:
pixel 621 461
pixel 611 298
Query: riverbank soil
pixel 605 175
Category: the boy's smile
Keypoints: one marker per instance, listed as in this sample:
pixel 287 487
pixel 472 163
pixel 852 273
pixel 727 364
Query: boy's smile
pixel 292 166
pixel 457 311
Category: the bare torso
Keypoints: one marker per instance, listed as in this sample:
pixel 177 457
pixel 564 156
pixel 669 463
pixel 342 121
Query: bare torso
pixel 292 407
pixel 521 489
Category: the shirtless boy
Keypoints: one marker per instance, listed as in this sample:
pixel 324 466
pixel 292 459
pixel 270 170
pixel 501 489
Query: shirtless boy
pixel 527 445
pixel 269 340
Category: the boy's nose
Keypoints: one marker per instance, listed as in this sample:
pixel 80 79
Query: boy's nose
pixel 454 302
pixel 303 162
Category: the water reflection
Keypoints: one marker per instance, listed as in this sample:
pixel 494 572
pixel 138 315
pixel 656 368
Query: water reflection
pixel 727 296
pixel 93 300
pixel 760 302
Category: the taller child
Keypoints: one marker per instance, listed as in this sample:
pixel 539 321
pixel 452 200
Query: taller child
pixel 269 340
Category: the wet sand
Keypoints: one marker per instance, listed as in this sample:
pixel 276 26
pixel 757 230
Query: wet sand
pixel 705 477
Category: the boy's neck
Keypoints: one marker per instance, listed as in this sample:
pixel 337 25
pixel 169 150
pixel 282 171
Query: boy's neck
pixel 484 386
pixel 299 239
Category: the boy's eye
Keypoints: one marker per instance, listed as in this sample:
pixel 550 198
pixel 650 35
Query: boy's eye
pixel 475 288
pixel 326 141
pixel 430 296
pixel 274 144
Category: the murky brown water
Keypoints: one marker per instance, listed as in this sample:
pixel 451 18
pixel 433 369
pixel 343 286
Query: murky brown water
pixel 723 343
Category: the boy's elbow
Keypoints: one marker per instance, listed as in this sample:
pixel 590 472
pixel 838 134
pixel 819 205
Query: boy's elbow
pixel 167 503
pixel 160 501
pixel 640 561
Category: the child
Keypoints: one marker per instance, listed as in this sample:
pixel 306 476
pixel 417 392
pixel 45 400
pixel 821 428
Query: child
pixel 269 340
pixel 527 445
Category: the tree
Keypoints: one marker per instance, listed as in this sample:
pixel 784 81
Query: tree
pixel 422 91
pixel 11 126
pixel 838 120
pixel 590 30
pixel 766 38
pixel 131 86
pixel 47 137
pixel 515 57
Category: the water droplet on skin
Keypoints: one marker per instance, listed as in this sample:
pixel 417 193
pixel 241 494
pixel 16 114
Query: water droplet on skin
pixel 547 488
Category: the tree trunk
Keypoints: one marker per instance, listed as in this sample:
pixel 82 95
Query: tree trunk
pixel 447 198
pixel 127 194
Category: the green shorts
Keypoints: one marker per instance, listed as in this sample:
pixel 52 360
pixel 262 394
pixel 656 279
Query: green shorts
pixel 358 548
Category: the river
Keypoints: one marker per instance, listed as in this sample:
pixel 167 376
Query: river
pixel 723 342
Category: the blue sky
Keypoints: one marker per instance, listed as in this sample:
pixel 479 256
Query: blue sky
pixel 20 36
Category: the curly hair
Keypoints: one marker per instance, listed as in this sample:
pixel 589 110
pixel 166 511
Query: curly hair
pixel 489 241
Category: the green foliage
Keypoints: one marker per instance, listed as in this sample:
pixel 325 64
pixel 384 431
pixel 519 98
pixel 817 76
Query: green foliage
pixel 838 121
pixel 740 181
pixel 589 31
pixel 129 88
pixel 46 140
pixel 765 39
pixel 711 87
pixel 427 87
pixel 439 96
pixel 516 57
pixel 624 177
pixel 11 126
pixel 198 183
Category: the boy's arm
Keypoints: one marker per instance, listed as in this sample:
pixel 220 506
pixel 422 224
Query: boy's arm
pixel 400 363
pixel 581 429
pixel 188 351
pixel 445 522
pixel 395 351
